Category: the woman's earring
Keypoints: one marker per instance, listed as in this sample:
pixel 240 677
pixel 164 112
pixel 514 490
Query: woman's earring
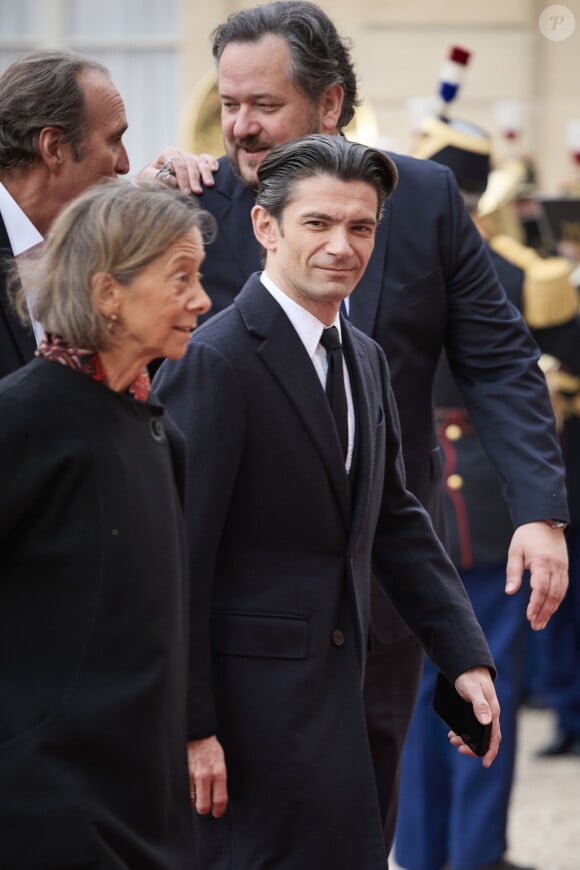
pixel 111 320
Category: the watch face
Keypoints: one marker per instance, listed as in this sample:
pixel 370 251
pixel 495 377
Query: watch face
pixel 557 524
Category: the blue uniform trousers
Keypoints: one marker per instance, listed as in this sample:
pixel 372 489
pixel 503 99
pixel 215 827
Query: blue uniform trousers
pixel 452 811
pixel 561 648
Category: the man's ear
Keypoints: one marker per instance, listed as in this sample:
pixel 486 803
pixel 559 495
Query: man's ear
pixel 330 109
pixel 52 148
pixel 265 227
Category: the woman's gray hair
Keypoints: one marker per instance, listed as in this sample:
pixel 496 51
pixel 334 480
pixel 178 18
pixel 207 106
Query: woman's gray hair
pixel 118 227
pixel 38 90
pixel 321 154
pixel 319 56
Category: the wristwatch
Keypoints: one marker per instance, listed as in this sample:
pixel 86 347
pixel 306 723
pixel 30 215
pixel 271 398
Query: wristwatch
pixel 556 524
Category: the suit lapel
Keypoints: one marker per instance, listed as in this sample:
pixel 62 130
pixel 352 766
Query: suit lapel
pixel 284 355
pixel 22 336
pixel 366 427
pixel 233 199
pixel 365 424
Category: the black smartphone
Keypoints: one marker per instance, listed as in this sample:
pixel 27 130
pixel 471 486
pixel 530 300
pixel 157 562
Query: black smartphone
pixel 459 715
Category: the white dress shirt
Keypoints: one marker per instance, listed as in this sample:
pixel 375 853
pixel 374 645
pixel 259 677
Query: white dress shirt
pixel 22 234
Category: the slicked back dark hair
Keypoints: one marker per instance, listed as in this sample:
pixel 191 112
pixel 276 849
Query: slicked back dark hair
pixel 319 56
pixel 42 89
pixel 320 154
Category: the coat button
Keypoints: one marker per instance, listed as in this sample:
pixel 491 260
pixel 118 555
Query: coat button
pixel 156 424
pixel 453 432
pixel 338 637
pixel 455 481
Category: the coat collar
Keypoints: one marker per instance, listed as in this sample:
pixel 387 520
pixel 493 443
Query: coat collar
pixel 231 202
pixel 5 249
pixel 23 336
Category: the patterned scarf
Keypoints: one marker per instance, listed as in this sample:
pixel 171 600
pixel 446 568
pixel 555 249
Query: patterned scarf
pixel 55 348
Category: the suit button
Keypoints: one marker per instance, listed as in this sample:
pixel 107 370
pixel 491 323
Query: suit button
pixel 453 432
pixel 455 481
pixel 338 637
pixel 156 424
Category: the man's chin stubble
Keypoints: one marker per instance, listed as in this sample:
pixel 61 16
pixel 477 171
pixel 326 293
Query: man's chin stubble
pixel 252 182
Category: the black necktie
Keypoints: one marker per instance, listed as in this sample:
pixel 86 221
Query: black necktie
pixel 335 390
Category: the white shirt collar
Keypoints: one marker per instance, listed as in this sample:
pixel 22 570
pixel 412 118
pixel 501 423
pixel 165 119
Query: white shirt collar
pixel 308 327
pixel 22 233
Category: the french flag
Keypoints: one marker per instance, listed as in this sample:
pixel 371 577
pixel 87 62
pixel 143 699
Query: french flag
pixel 452 73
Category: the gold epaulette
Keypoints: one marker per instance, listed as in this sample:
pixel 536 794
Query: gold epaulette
pixel 549 296
pixel 564 389
pixel 503 185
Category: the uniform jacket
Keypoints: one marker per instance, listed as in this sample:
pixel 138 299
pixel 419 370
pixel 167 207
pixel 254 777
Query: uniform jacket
pixel 93 601
pixel 282 546
pixel 429 284
pixel 17 344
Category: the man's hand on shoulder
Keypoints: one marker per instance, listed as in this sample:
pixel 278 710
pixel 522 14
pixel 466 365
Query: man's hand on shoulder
pixel 177 168
pixel 543 551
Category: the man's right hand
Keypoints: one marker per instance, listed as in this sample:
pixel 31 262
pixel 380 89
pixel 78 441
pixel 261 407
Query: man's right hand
pixel 199 169
pixel 188 171
pixel 207 777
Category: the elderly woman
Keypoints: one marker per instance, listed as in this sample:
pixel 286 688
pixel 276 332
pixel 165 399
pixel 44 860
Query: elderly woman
pixel 93 601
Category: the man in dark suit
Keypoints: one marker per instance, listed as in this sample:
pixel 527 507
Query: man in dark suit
pixel 286 523
pixel 17 343
pixel 450 815
pixel 43 166
pixel 284 71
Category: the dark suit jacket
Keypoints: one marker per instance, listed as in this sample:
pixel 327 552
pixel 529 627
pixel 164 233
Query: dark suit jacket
pixel 479 527
pixel 17 344
pixel 282 548
pixel 429 284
